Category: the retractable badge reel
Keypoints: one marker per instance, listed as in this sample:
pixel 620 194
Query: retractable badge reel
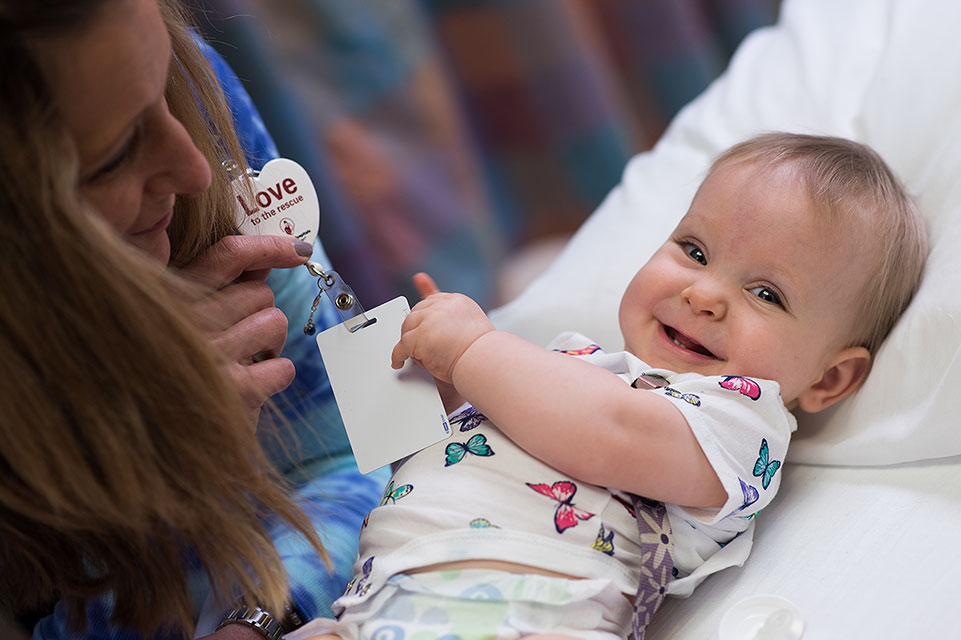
pixel 280 200
pixel 389 414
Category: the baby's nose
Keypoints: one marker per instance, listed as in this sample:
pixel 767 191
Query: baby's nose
pixel 706 298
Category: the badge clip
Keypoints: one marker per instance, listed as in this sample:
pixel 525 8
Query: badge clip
pixel 345 300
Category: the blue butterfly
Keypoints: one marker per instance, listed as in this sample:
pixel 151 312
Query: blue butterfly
pixel 764 469
pixel 468 419
pixel 482 523
pixel 362 584
pixel 393 495
pixel 477 446
pixel 750 495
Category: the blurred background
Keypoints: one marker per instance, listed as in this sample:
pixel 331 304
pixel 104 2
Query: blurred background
pixel 468 138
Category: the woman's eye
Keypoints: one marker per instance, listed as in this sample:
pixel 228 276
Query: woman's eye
pixel 112 165
pixel 118 160
pixel 106 170
pixel 767 295
pixel 695 252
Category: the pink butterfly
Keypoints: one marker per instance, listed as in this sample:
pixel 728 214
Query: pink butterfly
pixel 583 351
pixel 566 515
pixel 745 386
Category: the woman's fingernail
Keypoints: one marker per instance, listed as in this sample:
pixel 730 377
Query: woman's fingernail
pixel 303 249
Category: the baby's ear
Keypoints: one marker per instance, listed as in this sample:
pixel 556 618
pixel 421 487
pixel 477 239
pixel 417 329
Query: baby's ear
pixel 845 374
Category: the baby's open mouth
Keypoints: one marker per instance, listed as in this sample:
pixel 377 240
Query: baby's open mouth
pixel 686 342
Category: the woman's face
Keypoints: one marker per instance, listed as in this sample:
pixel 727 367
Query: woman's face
pixel 108 80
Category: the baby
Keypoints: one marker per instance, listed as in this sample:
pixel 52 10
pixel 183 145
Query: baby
pixel 794 260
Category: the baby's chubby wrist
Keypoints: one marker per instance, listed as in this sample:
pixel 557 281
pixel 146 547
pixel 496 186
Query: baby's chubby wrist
pixel 486 348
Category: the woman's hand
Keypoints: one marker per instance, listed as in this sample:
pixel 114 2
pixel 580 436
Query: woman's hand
pixel 439 329
pixel 240 316
pixel 235 632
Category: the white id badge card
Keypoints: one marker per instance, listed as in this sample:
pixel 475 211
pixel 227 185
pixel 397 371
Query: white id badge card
pixel 389 414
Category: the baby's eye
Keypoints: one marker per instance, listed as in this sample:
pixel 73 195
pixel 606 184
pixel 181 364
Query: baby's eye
pixel 695 252
pixel 767 295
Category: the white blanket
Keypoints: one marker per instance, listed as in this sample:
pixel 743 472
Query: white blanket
pixel 865 553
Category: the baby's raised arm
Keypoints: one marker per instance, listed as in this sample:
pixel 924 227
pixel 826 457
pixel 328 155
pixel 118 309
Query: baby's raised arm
pixel 577 417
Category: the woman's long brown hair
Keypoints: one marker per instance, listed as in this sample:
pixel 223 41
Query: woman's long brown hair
pixel 125 455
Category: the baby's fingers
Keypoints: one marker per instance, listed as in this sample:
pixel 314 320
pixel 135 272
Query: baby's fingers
pixel 425 285
pixel 400 353
pixel 402 350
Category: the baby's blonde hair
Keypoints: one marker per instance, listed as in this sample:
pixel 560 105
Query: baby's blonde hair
pixel 854 184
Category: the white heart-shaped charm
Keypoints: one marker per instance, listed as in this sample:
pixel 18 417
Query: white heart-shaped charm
pixel 284 202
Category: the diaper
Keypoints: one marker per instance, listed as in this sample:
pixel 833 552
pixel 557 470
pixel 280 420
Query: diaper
pixel 480 604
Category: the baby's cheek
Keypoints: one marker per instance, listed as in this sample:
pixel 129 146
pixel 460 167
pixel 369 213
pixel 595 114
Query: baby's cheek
pixel 791 365
pixel 766 356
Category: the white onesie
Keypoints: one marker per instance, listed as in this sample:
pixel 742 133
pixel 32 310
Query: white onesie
pixel 479 496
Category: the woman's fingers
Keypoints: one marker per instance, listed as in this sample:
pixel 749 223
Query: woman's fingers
pixel 245 257
pixel 251 347
pixel 425 285
pixel 244 325
pixel 257 336
pixel 257 382
pixel 231 304
pixel 260 380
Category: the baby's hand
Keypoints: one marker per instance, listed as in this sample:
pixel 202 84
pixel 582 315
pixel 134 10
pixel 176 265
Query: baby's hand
pixel 439 329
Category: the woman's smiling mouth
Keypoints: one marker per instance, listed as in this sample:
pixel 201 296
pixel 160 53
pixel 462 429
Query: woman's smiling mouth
pixel 160 225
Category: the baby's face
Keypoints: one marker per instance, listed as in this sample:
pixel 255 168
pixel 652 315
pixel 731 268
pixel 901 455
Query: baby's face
pixel 753 282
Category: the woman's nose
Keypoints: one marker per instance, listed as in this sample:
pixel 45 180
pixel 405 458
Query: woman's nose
pixel 180 168
pixel 706 298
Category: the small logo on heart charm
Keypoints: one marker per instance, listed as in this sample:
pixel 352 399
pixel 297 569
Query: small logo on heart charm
pixel 284 202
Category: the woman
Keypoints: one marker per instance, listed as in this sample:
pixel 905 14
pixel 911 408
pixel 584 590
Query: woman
pixel 131 486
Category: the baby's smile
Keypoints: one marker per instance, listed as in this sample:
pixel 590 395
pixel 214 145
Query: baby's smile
pixel 687 343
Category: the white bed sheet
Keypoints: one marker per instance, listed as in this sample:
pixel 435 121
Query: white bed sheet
pixel 865 552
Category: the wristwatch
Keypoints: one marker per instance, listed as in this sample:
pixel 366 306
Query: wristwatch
pixel 263 621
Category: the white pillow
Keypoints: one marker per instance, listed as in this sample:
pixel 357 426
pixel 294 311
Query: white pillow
pixel 883 72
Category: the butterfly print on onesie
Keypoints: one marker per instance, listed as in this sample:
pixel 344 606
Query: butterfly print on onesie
pixel 566 515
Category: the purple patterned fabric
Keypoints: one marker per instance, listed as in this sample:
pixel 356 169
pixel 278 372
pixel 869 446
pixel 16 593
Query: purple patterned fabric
pixel 657 551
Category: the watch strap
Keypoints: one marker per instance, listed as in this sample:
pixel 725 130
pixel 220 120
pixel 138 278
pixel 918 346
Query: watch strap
pixel 293 619
pixel 255 617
